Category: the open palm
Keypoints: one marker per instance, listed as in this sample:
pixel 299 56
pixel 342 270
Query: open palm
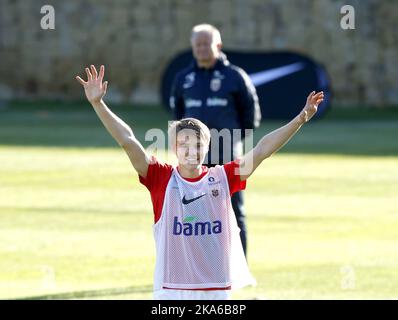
pixel 311 106
pixel 94 88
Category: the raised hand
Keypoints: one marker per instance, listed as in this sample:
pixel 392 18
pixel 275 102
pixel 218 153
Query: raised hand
pixel 311 107
pixel 94 88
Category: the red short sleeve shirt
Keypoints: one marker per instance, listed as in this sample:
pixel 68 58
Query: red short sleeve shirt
pixel 159 174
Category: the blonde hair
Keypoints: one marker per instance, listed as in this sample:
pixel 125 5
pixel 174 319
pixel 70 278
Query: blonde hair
pixel 205 27
pixel 201 130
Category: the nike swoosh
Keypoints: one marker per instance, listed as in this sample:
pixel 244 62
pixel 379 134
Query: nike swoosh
pixel 263 77
pixel 186 201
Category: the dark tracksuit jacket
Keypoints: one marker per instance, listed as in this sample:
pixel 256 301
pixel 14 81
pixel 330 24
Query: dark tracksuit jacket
pixel 220 97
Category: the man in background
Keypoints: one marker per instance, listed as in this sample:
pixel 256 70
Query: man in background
pixel 220 95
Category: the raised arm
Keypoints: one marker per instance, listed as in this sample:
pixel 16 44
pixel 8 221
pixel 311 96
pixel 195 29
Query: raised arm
pixel 95 90
pixel 275 140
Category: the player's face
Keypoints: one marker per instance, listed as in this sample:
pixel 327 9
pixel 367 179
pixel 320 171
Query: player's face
pixel 190 149
pixel 204 49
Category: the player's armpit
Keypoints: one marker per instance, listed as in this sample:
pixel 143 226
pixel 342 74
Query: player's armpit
pixel 249 162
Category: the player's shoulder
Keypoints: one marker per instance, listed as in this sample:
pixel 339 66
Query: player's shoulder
pixel 238 72
pixel 158 164
pixel 180 75
pixel 228 168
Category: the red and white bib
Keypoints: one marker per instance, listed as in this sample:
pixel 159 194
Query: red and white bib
pixel 197 238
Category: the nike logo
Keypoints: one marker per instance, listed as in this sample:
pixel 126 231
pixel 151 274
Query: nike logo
pixel 186 201
pixel 263 77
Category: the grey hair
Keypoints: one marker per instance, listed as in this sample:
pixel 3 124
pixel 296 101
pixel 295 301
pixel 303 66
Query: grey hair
pixel 207 28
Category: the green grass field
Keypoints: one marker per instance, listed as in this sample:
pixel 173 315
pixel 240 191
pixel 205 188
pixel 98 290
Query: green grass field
pixel 75 222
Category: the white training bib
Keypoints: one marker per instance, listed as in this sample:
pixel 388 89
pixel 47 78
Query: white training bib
pixel 197 237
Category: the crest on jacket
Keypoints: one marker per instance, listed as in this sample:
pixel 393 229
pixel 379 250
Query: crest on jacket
pixel 215 84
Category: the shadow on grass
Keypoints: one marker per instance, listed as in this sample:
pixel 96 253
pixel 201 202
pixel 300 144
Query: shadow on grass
pixel 91 293
pixel 64 210
pixel 362 132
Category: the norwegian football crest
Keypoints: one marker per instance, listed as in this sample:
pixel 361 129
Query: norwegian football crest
pixel 214 192
pixel 215 84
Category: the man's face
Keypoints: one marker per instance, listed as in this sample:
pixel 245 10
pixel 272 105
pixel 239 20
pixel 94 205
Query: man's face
pixel 190 149
pixel 204 49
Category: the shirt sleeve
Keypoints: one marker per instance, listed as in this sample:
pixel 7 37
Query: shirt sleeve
pixel 233 177
pixel 247 102
pixel 156 181
pixel 157 174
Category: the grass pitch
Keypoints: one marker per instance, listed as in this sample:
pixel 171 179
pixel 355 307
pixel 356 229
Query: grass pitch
pixel 75 223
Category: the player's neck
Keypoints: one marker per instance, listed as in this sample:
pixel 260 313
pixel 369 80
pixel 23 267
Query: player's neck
pixel 189 172
pixel 208 64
